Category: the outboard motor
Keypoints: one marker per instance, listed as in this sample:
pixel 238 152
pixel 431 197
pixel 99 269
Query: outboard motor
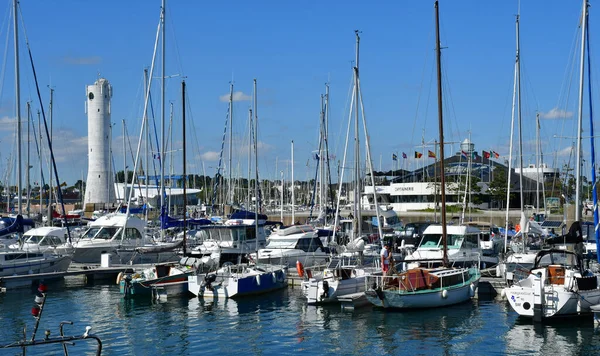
pixel 208 280
pixel 325 290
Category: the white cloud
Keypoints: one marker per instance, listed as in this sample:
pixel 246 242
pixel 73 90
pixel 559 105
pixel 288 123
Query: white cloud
pixel 237 96
pixel 210 156
pixel 556 113
pixel 8 123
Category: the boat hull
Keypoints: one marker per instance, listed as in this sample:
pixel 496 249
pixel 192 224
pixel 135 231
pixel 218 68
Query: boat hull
pixel 171 286
pixel 423 299
pixel 237 285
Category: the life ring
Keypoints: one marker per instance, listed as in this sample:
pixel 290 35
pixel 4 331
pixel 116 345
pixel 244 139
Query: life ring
pixel 119 278
pixel 517 228
pixel 300 269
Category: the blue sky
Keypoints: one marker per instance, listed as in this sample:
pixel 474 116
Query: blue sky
pixel 293 49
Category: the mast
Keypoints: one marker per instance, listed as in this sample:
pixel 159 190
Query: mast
pixel 28 164
pixel 50 163
pixel 41 160
pixel 256 206
pixel 537 162
pixel 593 153
pixel 441 129
pixel 580 117
pixel 170 156
pixel 229 185
pixel 147 144
pixel 293 195
pixel 357 211
pixel 125 168
pixel 249 153
pixel 162 117
pixel 519 120
pixel 510 149
pixel 184 170
pixel 17 104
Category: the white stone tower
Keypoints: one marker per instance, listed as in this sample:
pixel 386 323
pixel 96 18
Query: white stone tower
pixel 100 181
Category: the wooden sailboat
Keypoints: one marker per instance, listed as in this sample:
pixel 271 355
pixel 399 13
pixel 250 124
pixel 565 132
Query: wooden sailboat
pixel 423 287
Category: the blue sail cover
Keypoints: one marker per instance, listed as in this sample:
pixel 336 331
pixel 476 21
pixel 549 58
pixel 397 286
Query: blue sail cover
pixel 244 214
pixel 15 224
pixel 166 221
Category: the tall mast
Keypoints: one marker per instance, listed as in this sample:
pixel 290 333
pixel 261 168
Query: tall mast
pixel 162 118
pixel 293 195
pixel 170 156
pixel 184 170
pixel 441 129
pixel 27 171
pixel 249 153
pixel 17 104
pixel 147 145
pixel 519 120
pixel 580 116
pixel 229 185
pixel 125 168
pixel 41 160
pixel 357 211
pixel 50 160
pixel 256 204
pixel 537 162
pixel 510 149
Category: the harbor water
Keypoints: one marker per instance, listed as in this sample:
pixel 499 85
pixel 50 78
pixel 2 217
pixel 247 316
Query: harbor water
pixel 280 323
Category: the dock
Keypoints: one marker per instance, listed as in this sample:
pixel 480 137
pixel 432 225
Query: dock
pixel 91 273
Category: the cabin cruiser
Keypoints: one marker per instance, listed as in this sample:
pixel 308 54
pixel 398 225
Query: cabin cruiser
pixel 123 239
pixel 44 239
pixel 295 243
pixel 231 241
pixel 463 248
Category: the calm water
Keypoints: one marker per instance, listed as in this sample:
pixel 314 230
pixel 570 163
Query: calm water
pixel 282 324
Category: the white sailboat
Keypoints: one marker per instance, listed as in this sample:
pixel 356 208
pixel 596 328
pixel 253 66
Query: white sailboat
pixel 239 280
pixel 424 287
pixel 346 276
pixel 557 285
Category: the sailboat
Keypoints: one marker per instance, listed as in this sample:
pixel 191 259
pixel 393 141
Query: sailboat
pixel 242 279
pixel 345 274
pixel 423 287
pixel 18 261
pixel 558 285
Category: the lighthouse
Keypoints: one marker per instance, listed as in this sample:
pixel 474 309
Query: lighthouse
pixel 99 186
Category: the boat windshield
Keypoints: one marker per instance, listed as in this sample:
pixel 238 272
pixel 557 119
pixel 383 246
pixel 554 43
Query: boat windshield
pixel 435 240
pixel 105 233
pixel 283 244
pixel 557 258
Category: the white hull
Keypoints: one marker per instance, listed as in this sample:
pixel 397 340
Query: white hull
pixel 329 289
pixel 35 265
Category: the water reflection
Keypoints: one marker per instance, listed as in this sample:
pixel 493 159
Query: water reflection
pixel 564 337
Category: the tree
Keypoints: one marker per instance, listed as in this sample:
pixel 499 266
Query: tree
pixel 498 186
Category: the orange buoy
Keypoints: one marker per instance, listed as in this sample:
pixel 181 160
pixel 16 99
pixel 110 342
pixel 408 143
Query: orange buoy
pixel 518 228
pixel 300 268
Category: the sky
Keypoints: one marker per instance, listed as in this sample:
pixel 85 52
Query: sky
pixel 293 49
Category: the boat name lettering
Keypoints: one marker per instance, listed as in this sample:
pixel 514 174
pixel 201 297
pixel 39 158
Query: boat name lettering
pixel 404 189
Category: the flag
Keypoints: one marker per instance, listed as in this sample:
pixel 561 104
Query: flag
pixel 464 154
pixel 394 157
pixel 496 154
pixel 474 156
pixel 404 155
pixel 431 154
pixel 418 154
pixel 316 156
pixel 486 154
pixel 156 156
